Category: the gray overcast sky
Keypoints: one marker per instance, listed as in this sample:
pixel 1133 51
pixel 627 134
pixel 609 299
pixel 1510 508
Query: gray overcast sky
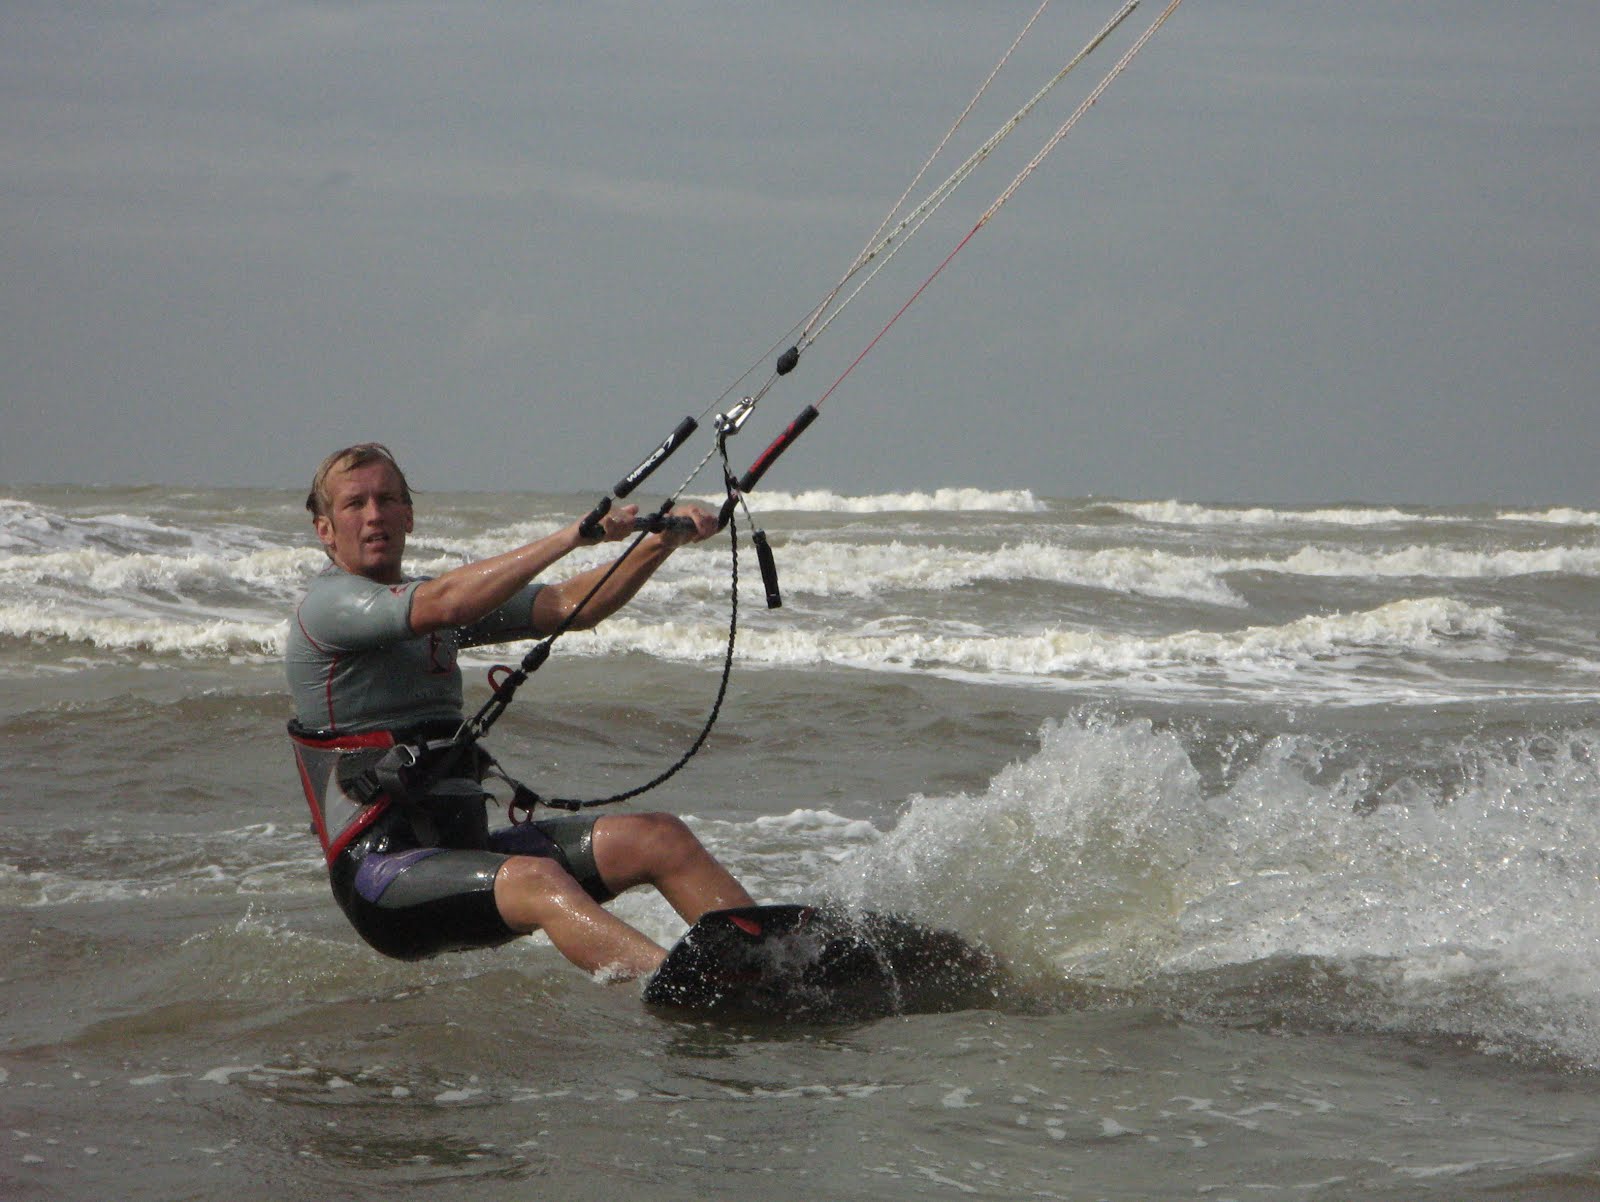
pixel 1298 252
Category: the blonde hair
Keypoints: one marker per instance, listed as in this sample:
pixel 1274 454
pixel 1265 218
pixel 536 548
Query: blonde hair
pixel 348 459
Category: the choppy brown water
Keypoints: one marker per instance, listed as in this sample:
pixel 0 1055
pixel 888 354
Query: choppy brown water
pixel 1285 822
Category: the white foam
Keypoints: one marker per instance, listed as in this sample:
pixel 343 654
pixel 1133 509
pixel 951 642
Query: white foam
pixel 1443 563
pixel 282 571
pixel 812 822
pixel 1408 625
pixel 1559 515
pixel 132 584
pixel 1186 513
pixel 25 526
pixel 200 636
pixel 262 858
pixel 942 500
pixel 823 568
pixel 1104 858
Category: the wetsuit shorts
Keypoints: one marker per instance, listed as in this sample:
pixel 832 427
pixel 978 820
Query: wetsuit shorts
pixel 412 902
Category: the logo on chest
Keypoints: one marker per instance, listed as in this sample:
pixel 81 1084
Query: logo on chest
pixel 441 655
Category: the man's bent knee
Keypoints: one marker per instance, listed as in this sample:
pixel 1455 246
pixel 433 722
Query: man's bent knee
pixel 528 888
pixel 631 849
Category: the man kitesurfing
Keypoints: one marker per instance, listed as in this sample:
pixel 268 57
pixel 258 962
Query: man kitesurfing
pixel 371 660
pixel 393 772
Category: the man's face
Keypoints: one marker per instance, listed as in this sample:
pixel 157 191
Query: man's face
pixel 367 521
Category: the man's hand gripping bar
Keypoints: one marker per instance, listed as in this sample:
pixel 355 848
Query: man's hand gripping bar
pixel 590 526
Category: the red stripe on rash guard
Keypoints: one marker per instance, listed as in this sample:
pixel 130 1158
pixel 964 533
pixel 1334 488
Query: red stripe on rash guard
pixel 333 663
pixel 303 629
pixel 327 689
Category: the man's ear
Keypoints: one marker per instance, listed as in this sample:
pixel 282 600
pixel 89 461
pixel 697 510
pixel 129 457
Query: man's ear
pixel 324 529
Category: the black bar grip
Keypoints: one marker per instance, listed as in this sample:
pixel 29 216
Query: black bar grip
pixel 769 569
pixel 656 458
pixel 779 445
pixel 656 522
pixel 590 527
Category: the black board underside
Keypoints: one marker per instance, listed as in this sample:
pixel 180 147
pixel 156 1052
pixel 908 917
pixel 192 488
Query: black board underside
pixel 821 963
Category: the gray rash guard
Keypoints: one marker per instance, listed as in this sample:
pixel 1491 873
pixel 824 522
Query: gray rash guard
pixel 354 664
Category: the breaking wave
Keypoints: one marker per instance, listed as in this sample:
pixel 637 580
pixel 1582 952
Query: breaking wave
pixel 1106 860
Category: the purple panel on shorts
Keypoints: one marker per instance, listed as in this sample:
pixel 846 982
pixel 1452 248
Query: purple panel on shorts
pixel 377 872
pixel 524 839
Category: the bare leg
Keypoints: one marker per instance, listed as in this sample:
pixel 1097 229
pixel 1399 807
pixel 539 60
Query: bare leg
pixel 534 893
pixel 659 850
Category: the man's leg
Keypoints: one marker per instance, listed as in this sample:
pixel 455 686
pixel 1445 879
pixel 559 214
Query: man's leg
pixel 659 850
pixel 537 893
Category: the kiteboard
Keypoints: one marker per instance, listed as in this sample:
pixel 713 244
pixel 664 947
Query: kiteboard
pixel 821 964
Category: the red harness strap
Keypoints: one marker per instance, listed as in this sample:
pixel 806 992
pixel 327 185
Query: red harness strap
pixel 319 756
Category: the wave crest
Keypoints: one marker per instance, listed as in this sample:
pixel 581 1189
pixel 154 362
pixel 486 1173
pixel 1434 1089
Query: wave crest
pixel 1409 626
pixel 946 500
pixel 1106 860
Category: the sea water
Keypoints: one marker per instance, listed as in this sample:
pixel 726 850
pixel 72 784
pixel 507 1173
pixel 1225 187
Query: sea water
pixel 1284 820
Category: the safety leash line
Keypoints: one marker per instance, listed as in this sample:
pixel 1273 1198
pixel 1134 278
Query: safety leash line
pixel 915 219
pixel 810 413
pixel 876 242
pixel 1088 103
pixel 800 336
pixel 813 326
